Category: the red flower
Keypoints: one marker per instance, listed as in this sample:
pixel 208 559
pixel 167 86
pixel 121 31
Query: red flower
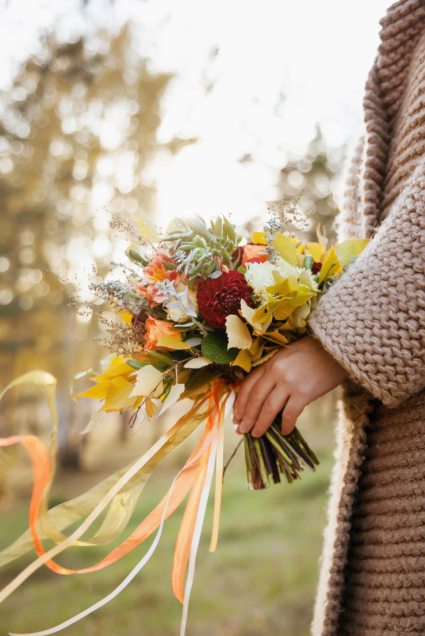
pixel 317 266
pixel 219 297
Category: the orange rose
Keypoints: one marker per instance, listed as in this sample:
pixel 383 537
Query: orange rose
pixel 155 329
pixel 253 254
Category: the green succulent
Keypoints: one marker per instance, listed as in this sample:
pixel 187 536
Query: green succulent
pixel 200 248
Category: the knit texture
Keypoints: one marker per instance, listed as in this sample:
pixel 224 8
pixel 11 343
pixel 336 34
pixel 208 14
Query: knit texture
pixel 372 321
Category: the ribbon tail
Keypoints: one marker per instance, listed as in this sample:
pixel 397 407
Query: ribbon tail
pixel 196 538
pixel 218 491
pixel 185 535
pixel 172 437
pixel 124 583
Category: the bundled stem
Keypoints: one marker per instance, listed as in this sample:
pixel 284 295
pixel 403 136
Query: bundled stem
pixel 274 454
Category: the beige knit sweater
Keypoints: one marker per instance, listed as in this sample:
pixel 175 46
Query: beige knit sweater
pixel 372 580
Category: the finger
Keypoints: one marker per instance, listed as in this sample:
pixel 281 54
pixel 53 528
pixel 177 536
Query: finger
pixel 270 409
pixel 244 392
pixel 258 395
pixel 291 412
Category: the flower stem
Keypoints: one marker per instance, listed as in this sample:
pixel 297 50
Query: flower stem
pixel 274 454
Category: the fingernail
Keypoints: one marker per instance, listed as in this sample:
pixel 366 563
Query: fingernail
pixel 244 427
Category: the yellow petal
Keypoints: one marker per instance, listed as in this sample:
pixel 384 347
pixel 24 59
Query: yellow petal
pixel 238 334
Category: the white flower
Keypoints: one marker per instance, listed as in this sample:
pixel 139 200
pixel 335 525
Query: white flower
pixel 285 269
pixel 259 276
pixel 262 275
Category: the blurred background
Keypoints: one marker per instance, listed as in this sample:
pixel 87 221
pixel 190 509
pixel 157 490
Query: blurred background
pixel 163 109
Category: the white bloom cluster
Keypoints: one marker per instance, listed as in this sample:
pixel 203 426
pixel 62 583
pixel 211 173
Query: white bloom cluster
pixel 262 275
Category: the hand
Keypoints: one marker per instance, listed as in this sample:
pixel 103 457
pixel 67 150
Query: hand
pixel 292 378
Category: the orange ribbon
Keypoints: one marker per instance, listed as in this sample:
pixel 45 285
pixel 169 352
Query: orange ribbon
pixel 191 479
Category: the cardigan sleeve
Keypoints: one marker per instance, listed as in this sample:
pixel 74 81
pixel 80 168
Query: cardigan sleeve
pixel 372 320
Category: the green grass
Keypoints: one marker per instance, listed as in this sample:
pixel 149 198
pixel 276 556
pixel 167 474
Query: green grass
pixel 261 580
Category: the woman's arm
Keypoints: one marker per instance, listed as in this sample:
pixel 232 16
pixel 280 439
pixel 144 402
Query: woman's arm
pixel 370 327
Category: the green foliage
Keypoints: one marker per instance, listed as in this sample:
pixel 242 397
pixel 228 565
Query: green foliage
pixel 214 347
pixel 200 247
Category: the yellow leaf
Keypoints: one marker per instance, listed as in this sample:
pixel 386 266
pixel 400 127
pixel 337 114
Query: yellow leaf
pixel 284 308
pixel 97 391
pixel 119 395
pixel 316 250
pixel 148 382
pixel 243 360
pixel 256 347
pixel 284 287
pixel 263 317
pixel 307 279
pixel 117 366
pixel 298 318
pixel 347 250
pixel 259 237
pixel 285 248
pixel 172 342
pixel 266 357
pixel 238 334
pixel 249 313
pixel 321 235
pixel 331 265
pixel 198 363
pixel 278 337
pixel 151 407
pixel 147 229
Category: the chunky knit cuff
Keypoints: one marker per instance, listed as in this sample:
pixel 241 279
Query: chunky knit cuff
pixel 372 321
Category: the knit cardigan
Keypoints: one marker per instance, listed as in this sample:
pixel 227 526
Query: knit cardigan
pixel 372 577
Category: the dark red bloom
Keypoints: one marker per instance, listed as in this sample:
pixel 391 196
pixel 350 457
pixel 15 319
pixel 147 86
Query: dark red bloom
pixel 317 266
pixel 219 297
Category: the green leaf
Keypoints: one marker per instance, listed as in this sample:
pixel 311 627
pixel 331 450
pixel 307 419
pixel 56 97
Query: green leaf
pixel 214 347
pixel 201 377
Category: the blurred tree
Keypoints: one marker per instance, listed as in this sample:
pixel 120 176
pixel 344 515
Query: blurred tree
pixel 309 180
pixel 77 131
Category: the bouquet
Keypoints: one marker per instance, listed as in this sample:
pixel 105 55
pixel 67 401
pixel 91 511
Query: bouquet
pixel 196 311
